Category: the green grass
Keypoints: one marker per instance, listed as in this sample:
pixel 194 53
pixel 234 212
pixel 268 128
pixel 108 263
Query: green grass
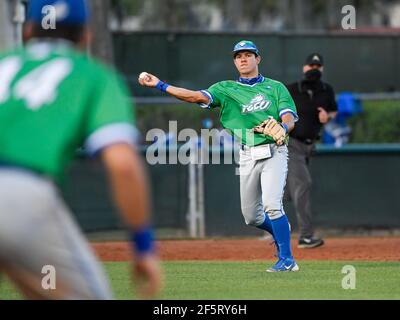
pixel 248 280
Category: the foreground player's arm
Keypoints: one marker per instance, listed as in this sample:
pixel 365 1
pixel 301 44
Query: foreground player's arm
pixel 130 191
pixel 110 132
pixel 129 183
pixel 183 94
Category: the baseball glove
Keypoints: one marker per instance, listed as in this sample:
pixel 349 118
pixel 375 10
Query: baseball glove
pixel 272 128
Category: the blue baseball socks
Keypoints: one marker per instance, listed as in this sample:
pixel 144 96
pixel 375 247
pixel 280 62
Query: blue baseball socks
pixel 266 225
pixel 281 231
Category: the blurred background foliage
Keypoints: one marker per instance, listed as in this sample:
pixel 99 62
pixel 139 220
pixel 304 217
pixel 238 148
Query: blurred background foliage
pixel 378 123
pixel 254 15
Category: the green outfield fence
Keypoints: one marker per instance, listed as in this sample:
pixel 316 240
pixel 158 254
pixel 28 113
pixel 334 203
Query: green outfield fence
pixel 353 62
pixel 356 186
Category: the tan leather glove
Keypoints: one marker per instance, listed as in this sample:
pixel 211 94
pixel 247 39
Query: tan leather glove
pixel 272 128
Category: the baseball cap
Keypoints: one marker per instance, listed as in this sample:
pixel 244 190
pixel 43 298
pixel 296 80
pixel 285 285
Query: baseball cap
pixel 314 58
pixel 245 45
pixel 72 12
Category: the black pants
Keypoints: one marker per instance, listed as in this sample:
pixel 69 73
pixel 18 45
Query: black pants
pixel 298 184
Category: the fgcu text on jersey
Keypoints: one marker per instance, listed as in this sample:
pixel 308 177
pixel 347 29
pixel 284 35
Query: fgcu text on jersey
pixel 258 103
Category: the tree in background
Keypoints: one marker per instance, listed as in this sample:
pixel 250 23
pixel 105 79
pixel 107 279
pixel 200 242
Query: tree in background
pixel 101 45
pixel 247 16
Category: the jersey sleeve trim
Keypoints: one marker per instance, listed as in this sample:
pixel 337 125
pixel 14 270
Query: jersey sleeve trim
pixel 209 96
pixel 111 134
pixel 285 111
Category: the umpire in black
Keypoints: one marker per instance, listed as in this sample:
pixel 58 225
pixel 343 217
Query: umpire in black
pixel 316 105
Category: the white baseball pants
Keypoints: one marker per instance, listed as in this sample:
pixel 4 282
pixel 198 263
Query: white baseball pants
pixel 37 230
pixel 262 184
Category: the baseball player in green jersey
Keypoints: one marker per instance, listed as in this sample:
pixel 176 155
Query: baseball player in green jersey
pixel 259 112
pixel 54 99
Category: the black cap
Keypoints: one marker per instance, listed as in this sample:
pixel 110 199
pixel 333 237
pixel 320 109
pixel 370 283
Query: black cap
pixel 314 58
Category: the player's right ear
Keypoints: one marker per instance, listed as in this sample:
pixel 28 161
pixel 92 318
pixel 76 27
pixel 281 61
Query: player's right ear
pixel 27 32
pixel 86 39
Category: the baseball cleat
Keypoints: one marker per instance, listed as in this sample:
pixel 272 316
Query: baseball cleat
pixel 284 265
pixel 310 243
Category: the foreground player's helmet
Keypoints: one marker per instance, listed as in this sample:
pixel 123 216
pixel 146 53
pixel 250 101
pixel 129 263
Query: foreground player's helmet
pixel 67 12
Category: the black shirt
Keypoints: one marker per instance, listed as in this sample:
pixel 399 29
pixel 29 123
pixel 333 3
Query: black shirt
pixel 308 97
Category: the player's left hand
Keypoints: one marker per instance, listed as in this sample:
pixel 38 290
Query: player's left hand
pixel 323 115
pixel 272 128
pixel 148 275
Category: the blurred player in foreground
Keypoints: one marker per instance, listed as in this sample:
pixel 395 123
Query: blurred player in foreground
pixel 53 99
pixel 260 112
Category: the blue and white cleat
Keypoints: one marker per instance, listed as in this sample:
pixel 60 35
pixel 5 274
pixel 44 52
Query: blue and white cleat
pixel 284 265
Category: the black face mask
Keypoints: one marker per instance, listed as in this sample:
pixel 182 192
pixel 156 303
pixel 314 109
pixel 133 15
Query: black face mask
pixel 313 75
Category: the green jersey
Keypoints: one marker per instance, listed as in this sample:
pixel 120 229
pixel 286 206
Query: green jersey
pixel 245 106
pixel 53 100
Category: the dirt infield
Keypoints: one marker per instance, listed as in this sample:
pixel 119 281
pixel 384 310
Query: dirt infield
pixel 367 249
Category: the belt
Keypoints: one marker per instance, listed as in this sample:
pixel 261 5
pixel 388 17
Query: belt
pixel 7 165
pixel 305 141
pixel 244 147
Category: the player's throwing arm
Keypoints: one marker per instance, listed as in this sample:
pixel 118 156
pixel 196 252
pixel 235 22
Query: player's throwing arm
pixel 149 80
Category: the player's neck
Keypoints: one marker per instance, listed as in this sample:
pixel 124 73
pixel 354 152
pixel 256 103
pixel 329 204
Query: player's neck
pixel 250 81
pixel 250 75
